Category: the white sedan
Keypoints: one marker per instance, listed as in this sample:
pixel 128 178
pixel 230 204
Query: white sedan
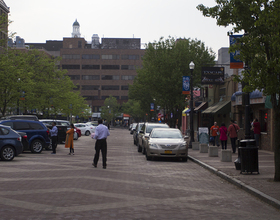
pixel 86 129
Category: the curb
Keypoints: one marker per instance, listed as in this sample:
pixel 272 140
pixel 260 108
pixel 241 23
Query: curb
pixel 263 197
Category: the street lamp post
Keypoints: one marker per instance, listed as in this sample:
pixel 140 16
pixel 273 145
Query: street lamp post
pixel 191 66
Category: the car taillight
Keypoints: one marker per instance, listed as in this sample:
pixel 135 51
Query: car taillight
pixel 19 138
pixel 48 132
pixel 24 136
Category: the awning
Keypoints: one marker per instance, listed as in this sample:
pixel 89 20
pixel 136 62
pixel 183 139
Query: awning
pixel 185 111
pixel 201 106
pixel 218 108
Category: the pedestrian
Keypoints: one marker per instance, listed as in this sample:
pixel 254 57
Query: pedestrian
pixel 101 134
pixel 232 132
pixel 214 132
pixel 257 131
pixel 69 142
pixel 53 133
pixel 223 136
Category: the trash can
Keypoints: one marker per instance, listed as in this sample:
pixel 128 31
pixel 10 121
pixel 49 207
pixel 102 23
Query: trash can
pixel 249 159
pixel 243 143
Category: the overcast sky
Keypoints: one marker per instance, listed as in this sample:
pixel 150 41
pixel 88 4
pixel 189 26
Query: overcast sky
pixel 39 20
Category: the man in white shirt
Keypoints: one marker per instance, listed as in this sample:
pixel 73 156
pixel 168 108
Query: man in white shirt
pixel 101 134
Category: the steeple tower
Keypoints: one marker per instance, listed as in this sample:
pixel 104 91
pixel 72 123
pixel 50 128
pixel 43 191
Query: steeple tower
pixel 76 30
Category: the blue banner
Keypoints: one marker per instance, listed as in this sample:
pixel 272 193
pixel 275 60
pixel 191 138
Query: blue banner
pixel 152 107
pixel 235 63
pixel 186 85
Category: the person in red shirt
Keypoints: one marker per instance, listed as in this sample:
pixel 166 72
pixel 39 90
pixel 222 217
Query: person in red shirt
pixel 257 131
pixel 214 132
pixel 232 132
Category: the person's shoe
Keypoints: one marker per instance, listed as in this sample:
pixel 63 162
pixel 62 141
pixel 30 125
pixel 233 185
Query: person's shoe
pixel 94 165
pixel 53 153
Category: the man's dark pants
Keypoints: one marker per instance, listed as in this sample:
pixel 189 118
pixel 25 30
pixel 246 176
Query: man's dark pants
pixel 54 143
pixel 100 145
pixel 233 144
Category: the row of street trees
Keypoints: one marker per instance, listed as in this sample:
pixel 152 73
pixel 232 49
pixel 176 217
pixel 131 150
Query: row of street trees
pixel 259 48
pixel 160 80
pixel 32 80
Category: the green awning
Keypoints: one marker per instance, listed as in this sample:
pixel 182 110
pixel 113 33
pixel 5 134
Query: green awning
pixel 223 107
pixel 268 103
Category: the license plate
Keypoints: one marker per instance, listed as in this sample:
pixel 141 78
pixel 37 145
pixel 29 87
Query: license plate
pixel 168 151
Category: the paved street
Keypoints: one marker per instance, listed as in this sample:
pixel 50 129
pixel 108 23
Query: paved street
pixel 45 186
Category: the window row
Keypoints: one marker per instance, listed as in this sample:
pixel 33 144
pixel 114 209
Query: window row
pixel 104 97
pixel 103 57
pixel 107 87
pixel 103 67
pixel 103 77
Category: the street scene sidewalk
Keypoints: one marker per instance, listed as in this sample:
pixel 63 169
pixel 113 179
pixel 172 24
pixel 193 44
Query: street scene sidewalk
pixel 260 185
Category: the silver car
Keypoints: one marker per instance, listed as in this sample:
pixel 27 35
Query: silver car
pixel 167 142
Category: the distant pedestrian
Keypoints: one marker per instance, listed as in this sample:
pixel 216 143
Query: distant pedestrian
pixel 54 132
pixel 232 132
pixel 69 142
pixel 214 132
pixel 223 136
pixel 101 134
pixel 257 131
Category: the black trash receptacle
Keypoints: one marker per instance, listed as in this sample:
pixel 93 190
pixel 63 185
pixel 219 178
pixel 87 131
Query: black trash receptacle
pixel 249 159
pixel 243 143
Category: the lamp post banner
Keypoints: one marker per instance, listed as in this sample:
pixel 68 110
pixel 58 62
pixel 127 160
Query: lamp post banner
pixel 235 63
pixel 152 107
pixel 212 75
pixel 186 85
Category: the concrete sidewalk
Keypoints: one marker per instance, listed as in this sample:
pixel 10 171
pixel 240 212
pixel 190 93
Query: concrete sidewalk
pixel 260 185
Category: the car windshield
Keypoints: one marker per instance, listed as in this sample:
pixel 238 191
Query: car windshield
pixel 166 134
pixel 151 127
pixel 134 125
pixel 140 127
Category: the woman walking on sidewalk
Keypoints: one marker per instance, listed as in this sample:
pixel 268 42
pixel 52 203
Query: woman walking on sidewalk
pixel 223 136
pixel 69 142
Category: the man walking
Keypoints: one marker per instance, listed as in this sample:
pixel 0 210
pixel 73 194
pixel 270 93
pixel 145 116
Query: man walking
pixel 101 134
pixel 232 132
pixel 214 132
pixel 54 132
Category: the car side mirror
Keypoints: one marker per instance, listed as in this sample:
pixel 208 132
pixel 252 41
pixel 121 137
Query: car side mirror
pixel 186 137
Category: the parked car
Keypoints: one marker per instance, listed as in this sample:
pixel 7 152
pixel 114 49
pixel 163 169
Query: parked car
pixel 94 123
pixel 62 126
pixel 37 133
pixel 145 132
pixel 86 129
pixel 24 140
pixel 166 142
pixel 136 132
pixel 133 128
pixel 10 143
pixel 21 117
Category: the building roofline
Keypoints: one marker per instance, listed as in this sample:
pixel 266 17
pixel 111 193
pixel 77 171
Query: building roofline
pixel 4 6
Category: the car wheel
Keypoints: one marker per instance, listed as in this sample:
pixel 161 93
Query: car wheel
pixel 87 133
pixel 36 146
pixel 143 150
pixel 139 148
pixel 148 157
pixel 7 153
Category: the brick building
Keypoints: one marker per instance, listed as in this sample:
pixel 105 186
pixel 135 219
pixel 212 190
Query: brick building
pixel 4 11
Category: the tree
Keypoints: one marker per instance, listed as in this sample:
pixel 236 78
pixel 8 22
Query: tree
pixel 259 48
pixel 110 110
pixel 164 64
pixel 133 108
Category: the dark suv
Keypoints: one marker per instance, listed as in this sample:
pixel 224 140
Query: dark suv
pixel 37 133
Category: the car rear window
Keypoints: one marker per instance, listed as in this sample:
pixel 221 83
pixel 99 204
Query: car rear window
pixel 35 126
pixel 151 127
pixel 21 125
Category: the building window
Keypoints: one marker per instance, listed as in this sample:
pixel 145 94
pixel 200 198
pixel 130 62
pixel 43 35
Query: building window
pixel 128 67
pixel 74 77
pixel 90 77
pixel 110 77
pixel 124 97
pixel 90 67
pixel 90 87
pixel 222 92
pixel 110 67
pixel 130 57
pixel 71 56
pixel 105 97
pixel 75 67
pixel 110 57
pixel 91 56
pixel 110 87
pixel 128 77
pixel 124 87
pixel 79 44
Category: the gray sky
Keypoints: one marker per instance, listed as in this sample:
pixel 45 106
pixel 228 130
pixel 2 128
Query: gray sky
pixel 39 20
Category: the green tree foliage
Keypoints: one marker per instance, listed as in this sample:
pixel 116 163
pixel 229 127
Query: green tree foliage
pixel 164 64
pixel 133 108
pixel 259 47
pixel 111 108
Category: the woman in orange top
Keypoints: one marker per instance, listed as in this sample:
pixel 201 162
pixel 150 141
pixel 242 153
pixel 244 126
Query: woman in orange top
pixel 70 139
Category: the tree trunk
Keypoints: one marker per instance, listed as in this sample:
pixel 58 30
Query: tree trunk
pixel 277 144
